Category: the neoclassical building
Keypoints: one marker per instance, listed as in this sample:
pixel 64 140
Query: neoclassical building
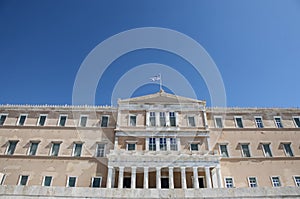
pixel 159 144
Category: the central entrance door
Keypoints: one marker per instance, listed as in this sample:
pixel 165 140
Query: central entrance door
pixel 127 182
pixel 164 183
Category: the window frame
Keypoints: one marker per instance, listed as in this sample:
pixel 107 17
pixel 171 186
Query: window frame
pixel 107 123
pixel 59 120
pixel 226 184
pixel 39 120
pixel 194 144
pixel 295 123
pixel 290 147
pixel 220 150
pixel 172 118
pixel 273 183
pixel 44 180
pixel 8 146
pixel 257 123
pixel 20 180
pixel 103 153
pixel 152 145
pixel 249 150
pixel 2 178
pixel 74 149
pixel 216 117
pixel 30 148
pixel 264 150
pixel 135 120
pixel 80 124
pixel 250 183
pixel 19 119
pixel 172 144
pixel 51 150
pixel 163 144
pixel 278 124
pixel 236 122
pixel 128 144
pixel 151 117
pixel 68 181
pixel 297 184
pixel 3 115
pixel 193 124
pixel 93 179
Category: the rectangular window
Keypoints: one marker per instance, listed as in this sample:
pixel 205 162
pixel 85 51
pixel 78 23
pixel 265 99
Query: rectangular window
pixel 252 182
pixel 152 144
pixel 297 121
pixel 288 149
pixel 267 150
pixel 23 180
pixel 172 119
pixel 11 147
pixel 191 121
pixel 162 144
pixel 229 182
pixel 42 120
pixel 194 147
pixel 297 180
pixel 2 178
pixel 104 121
pixel 100 151
pixel 173 144
pixel 71 181
pixel 218 122
pixel 96 182
pixel 77 149
pixel 259 123
pixel 152 119
pixel 278 122
pixel 2 119
pixel 131 146
pixel 62 120
pixel 21 120
pixel 245 150
pixel 162 119
pixel 47 181
pixel 33 148
pixel 55 149
pixel 223 150
pixel 239 122
pixel 276 181
pixel 83 121
pixel 132 120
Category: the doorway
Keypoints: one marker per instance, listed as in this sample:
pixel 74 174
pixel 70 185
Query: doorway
pixel 127 182
pixel 165 183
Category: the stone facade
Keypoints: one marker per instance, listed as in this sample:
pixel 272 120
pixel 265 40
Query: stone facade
pixel 156 142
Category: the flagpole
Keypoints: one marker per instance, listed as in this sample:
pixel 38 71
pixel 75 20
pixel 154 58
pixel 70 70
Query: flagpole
pixel 160 82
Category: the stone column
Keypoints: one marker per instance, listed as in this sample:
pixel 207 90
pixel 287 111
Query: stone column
pixel 207 177
pixel 109 177
pixel 183 178
pixel 146 180
pixel 147 118
pixel 167 119
pixel 121 175
pixel 168 144
pixel 157 121
pixel 218 172
pixel 195 174
pixel 158 180
pixel 171 178
pixel 147 144
pixel 133 177
pixel 157 144
pixel 176 119
pixel 178 144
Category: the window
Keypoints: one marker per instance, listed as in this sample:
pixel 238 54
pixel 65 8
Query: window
pixel 162 144
pixel 55 149
pixel 77 149
pixel 42 120
pixel 130 146
pixel 47 181
pixel 259 123
pixel 267 150
pixel 71 181
pixel 21 120
pixel 172 119
pixel 229 182
pixel 2 178
pixel 218 122
pixel 104 121
pixel 62 120
pixel 173 144
pixel 223 150
pixel 100 151
pixel 297 121
pixel 288 150
pixel 152 119
pixel 194 147
pixel 162 119
pixel 11 147
pixel 278 122
pixel 2 119
pixel 276 181
pixel 83 121
pixel 297 180
pixel 132 121
pixel 252 182
pixel 191 121
pixel 96 182
pixel 23 180
pixel 33 148
pixel 239 122
pixel 152 144
pixel 245 150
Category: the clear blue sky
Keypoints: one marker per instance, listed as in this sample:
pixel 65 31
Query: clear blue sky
pixel 255 44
